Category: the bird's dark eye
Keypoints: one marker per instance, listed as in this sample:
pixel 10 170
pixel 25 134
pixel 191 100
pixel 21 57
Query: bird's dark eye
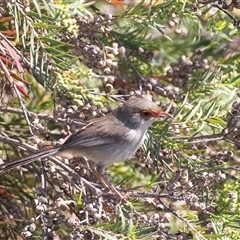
pixel 145 113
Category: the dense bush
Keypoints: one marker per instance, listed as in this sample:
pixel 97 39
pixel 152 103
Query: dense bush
pixel 64 63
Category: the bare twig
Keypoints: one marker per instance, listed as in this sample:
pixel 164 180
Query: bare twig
pixel 182 219
pixel 40 115
pixel 73 173
pixel 200 139
pixel 206 1
pixel 135 194
pixel 18 144
pixel 20 112
pixel 235 22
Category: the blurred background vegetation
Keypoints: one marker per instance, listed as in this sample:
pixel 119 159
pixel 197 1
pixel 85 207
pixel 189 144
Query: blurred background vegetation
pixel 63 63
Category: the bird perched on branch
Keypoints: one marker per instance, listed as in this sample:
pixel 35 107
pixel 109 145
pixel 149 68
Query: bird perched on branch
pixel 109 139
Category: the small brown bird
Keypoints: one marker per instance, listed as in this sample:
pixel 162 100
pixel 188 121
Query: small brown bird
pixel 108 139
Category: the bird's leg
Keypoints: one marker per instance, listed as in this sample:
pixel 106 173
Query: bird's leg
pixel 99 173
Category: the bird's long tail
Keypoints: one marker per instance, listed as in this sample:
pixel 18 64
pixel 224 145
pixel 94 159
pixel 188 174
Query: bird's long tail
pixel 28 159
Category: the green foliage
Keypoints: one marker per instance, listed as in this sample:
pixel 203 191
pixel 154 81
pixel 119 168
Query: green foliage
pixel 75 60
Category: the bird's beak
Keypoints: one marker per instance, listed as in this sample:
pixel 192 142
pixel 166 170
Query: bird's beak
pixel 159 113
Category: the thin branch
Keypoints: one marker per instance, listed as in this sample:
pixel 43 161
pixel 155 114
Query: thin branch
pixel 20 112
pixel 40 116
pixel 200 139
pixel 73 173
pixel 18 144
pixel 25 111
pixel 206 1
pixel 134 194
pixel 182 219
pixel 235 22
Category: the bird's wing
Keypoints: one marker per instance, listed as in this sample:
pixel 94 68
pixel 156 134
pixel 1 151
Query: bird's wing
pixel 99 132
